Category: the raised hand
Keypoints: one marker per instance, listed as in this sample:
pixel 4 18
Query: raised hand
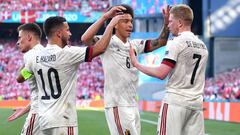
pixel 132 56
pixel 117 18
pixel 114 11
pixel 166 13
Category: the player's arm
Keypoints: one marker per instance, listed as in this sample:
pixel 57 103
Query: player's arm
pixel 18 112
pixel 163 37
pixel 20 78
pixel 88 38
pixel 160 72
pixel 24 75
pixel 103 43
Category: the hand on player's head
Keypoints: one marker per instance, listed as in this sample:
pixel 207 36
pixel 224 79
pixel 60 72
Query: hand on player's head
pixel 166 13
pixel 114 11
pixel 117 18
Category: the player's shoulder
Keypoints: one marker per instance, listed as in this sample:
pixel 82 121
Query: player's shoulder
pixel 32 53
pixel 74 49
pixel 173 41
pixel 137 42
pixel 175 44
pixel 70 47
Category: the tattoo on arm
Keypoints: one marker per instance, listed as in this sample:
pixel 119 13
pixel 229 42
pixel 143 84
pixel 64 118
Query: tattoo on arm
pixel 162 39
pixel 165 33
pixel 154 42
pixel 94 40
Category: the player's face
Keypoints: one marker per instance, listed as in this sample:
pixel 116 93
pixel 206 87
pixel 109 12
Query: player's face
pixel 173 25
pixel 65 34
pixel 125 26
pixel 23 42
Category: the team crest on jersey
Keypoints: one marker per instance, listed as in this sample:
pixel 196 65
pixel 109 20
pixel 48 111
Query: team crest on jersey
pixel 167 52
pixel 127 132
pixel 142 42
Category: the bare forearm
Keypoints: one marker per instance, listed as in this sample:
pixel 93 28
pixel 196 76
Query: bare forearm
pixel 88 36
pixel 151 71
pixel 160 72
pixel 161 40
pixel 102 44
pixel 27 108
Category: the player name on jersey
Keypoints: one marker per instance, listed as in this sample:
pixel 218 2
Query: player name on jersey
pixel 196 45
pixel 46 58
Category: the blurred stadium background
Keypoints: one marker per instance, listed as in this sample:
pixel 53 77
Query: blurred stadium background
pixel 216 22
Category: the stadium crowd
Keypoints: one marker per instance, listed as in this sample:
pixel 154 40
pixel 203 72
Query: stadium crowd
pixel 90 76
pixel 224 86
pixel 53 5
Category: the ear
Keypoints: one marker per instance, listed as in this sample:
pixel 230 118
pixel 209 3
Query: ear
pixel 29 37
pixel 116 26
pixel 180 23
pixel 59 34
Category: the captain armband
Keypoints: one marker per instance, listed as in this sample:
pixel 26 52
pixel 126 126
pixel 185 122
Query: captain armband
pixel 26 74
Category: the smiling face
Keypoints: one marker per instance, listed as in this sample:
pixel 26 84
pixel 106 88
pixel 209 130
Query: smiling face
pixel 124 27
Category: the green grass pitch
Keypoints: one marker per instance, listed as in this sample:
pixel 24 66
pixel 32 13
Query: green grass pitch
pixel 93 123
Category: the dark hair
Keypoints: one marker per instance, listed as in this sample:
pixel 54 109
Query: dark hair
pixel 52 24
pixel 31 27
pixel 128 10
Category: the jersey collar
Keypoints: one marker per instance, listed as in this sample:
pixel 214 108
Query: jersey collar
pixel 53 46
pixel 37 46
pixel 185 33
pixel 120 41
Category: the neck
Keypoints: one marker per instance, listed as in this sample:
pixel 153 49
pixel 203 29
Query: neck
pixel 53 40
pixel 121 37
pixel 183 29
pixel 34 43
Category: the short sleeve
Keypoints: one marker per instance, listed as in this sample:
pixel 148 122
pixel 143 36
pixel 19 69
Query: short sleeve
pixel 171 54
pixel 142 46
pixel 79 54
pixel 27 56
pixel 27 71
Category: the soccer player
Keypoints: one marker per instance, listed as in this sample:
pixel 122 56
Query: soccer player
pixel 29 37
pixel 55 69
pixel 120 88
pixel 184 63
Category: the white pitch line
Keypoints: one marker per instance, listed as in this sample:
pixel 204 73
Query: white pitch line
pixel 155 123
pixel 149 121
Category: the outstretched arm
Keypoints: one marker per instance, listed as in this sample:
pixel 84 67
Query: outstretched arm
pixel 160 72
pixel 88 37
pixel 103 43
pixel 18 112
pixel 163 37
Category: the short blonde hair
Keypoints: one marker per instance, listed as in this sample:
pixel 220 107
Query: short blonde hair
pixel 183 12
